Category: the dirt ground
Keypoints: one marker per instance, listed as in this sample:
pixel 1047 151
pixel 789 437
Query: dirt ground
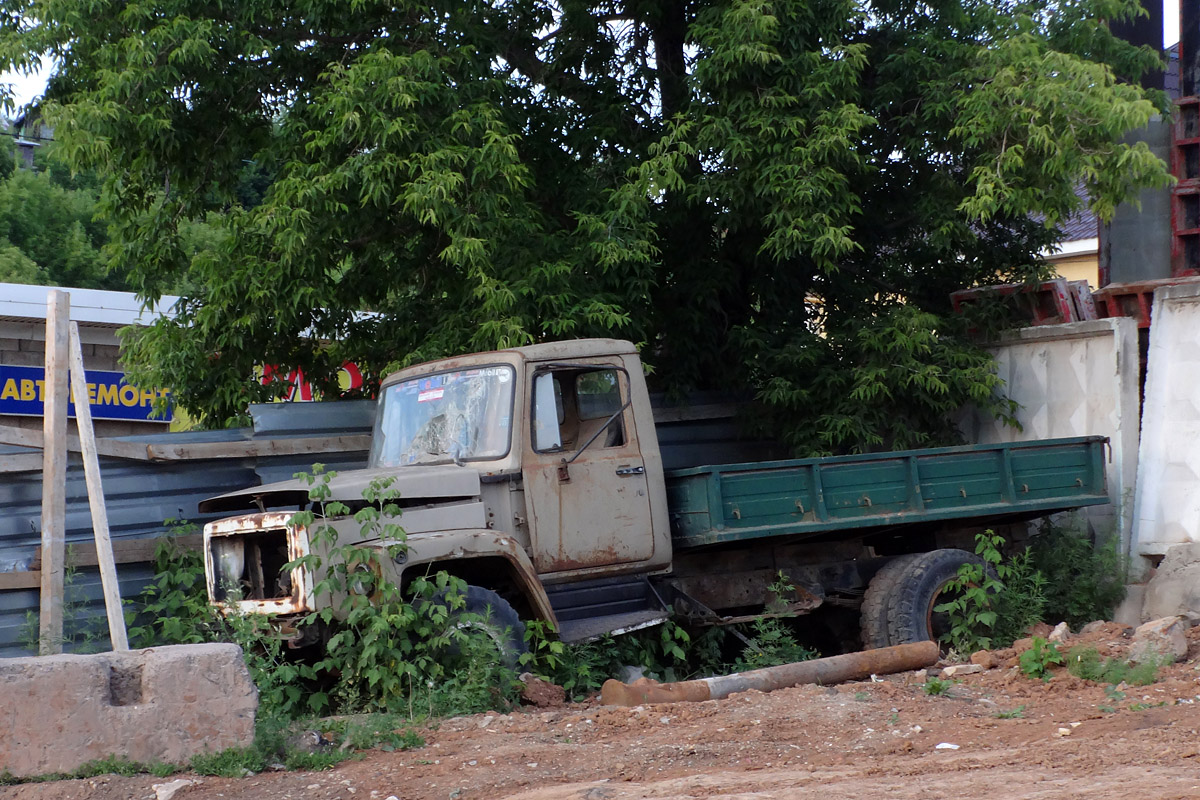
pixel 994 734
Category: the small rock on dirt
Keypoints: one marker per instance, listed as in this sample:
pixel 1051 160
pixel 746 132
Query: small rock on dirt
pixel 541 693
pixel 962 669
pixel 165 791
pixel 985 658
pixel 1060 633
pixel 1161 640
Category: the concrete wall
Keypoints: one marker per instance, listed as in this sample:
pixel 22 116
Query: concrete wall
pixel 161 705
pixel 1077 379
pixel 1167 510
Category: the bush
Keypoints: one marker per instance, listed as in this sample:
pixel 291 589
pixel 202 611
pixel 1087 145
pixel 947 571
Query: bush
pixel 1084 579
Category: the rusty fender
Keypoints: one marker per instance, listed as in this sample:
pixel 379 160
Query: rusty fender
pixel 835 669
pixel 460 545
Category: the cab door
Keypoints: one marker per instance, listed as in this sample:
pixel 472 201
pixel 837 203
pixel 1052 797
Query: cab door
pixel 585 480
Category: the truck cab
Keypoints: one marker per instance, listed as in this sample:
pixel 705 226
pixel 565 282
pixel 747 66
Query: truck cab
pixel 525 471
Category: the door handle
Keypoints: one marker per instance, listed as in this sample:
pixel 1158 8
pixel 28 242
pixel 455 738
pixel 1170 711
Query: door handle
pixel 631 471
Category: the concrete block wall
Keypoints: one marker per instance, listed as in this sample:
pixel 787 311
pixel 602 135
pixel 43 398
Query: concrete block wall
pixel 160 705
pixel 1077 379
pixel 1167 509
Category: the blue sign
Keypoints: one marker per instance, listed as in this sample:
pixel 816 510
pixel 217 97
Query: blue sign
pixel 22 391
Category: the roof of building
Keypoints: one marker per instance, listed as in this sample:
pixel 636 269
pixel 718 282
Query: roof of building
pixel 22 302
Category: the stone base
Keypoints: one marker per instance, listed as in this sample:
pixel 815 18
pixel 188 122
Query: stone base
pixel 163 704
pixel 1175 587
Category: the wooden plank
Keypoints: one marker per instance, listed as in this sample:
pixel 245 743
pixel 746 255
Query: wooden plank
pixel 249 448
pixel 95 488
pixel 129 551
pixel 54 475
pixel 21 462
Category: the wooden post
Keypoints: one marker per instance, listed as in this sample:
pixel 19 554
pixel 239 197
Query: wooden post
pixel 91 469
pixel 54 474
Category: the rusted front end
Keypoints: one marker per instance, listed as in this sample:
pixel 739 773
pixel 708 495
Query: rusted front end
pixel 245 559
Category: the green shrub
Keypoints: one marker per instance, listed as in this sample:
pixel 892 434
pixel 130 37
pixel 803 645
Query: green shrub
pixel 1085 662
pixel 1084 580
pixel 1039 658
pixel 992 603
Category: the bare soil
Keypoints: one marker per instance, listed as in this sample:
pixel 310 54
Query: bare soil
pixel 1013 737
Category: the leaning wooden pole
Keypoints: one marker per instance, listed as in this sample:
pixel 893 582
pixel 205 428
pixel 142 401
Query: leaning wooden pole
pixel 54 474
pixel 834 669
pixel 95 489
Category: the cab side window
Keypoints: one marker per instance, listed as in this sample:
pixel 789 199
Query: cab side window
pixel 572 406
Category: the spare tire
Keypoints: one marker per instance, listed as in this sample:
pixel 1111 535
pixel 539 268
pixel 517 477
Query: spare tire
pixel 917 588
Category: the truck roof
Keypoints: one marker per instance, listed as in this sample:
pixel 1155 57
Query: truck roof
pixel 567 349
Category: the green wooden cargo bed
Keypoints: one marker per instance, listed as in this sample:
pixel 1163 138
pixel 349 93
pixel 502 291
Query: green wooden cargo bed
pixel 814 496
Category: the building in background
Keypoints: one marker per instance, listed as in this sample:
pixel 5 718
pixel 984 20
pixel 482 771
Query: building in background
pixel 118 408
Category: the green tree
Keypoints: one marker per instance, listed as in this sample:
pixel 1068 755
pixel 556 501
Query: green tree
pixel 777 195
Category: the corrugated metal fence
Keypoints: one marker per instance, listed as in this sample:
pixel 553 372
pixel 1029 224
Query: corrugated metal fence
pixel 142 495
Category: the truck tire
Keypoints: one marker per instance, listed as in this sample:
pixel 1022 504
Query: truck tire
pixel 490 614
pixel 918 588
pixel 878 600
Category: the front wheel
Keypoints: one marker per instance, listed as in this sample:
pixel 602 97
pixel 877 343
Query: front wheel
pixel 490 615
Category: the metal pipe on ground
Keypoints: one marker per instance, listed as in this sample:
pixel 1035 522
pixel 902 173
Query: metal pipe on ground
pixel 834 669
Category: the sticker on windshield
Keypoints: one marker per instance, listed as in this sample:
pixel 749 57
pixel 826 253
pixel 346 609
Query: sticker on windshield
pixel 503 375
pixel 430 394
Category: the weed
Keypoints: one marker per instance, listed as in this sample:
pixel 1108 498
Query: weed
pixel 993 601
pixel 113 765
pixel 937 686
pixel 1013 713
pixel 1107 709
pixel 1086 663
pixel 1144 706
pixel 1084 578
pixel 894 718
pixel 174 609
pixel 234 762
pixel 317 760
pixel 862 697
pixel 1039 658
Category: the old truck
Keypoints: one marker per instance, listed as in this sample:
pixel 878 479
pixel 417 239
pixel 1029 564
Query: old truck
pixel 535 474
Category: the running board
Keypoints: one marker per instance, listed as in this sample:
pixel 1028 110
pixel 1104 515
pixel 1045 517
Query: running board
pixel 589 609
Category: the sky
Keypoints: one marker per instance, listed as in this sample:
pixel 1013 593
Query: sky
pixel 27 87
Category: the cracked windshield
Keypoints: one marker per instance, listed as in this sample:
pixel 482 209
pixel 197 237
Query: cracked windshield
pixel 448 417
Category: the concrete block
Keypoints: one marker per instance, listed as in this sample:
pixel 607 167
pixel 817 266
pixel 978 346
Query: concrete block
pixel 1167 505
pixel 1129 611
pixel 1175 587
pixel 1161 641
pixel 164 704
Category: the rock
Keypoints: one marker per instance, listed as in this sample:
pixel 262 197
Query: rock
pixel 1092 627
pixel 541 693
pixel 165 791
pixel 1175 587
pixel 1060 633
pixel 945 746
pixel 920 675
pixel 1021 645
pixel 962 669
pixel 985 658
pixel 1161 641
pixel 629 673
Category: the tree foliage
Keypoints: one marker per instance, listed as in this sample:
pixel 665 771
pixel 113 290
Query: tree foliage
pixel 776 195
pixel 48 230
